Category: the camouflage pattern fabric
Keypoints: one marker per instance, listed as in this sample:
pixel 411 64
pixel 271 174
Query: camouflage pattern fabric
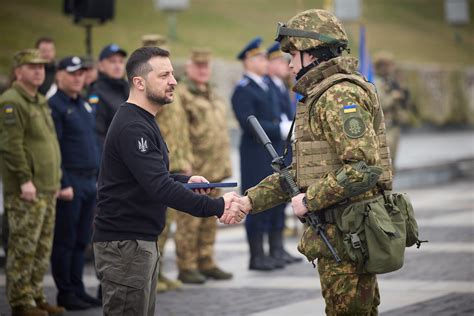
pixel 392 101
pixel 315 20
pixel 195 238
pixel 348 293
pixel 205 112
pixel 324 121
pixel 175 131
pixel 29 250
pixel 207 131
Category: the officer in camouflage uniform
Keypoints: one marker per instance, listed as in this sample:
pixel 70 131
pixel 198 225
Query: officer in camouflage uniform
pixel 206 115
pixel 30 164
pixel 339 145
pixel 169 118
pixel 393 98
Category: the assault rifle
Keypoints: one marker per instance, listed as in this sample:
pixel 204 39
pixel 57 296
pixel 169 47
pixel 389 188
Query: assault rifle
pixel 278 165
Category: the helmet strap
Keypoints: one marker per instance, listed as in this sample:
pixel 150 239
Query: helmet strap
pixel 304 69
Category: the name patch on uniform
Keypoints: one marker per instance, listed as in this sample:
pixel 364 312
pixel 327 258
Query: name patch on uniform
pixel 350 108
pixel 142 145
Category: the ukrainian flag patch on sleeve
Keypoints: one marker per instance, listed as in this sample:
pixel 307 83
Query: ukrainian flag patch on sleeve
pixel 352 108
pixel 93 99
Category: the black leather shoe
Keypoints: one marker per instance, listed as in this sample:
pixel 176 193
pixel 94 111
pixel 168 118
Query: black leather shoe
pixel 72 303
pixel 95 302
pixel 261 263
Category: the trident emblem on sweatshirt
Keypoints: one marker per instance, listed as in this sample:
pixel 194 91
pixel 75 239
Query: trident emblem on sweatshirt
pixel 142 145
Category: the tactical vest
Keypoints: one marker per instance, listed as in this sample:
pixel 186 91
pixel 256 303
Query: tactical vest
pixel 313 156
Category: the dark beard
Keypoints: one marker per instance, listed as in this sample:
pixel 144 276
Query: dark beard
pixel 157 100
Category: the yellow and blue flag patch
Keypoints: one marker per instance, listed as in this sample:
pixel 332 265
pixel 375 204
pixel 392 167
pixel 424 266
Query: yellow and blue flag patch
pixel 8 109
pixel 93 99
pixel 352 108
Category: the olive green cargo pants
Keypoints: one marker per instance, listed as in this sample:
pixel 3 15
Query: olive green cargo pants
pixel 127 271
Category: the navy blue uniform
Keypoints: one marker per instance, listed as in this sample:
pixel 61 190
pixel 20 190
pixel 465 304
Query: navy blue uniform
pixel 75 126
pixel 250 99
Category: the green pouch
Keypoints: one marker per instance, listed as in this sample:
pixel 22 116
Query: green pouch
pixel 374 237
pixel 402 203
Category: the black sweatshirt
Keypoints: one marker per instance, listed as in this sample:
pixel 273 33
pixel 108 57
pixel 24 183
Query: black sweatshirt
pixel 135 186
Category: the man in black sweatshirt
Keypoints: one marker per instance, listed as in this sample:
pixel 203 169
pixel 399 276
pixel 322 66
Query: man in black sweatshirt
pixel 135 188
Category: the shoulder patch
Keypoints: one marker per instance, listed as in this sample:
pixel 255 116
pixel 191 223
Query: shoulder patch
pixel 354 126
pixel 93 99
pixel 243 82
pixel 142 145
pixel 9 115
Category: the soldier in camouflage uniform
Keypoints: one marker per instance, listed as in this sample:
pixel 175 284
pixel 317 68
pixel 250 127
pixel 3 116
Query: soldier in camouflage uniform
pixel 339 145
pixel 393 98
pixel 177 139
pixel 206 116
pixel 30 165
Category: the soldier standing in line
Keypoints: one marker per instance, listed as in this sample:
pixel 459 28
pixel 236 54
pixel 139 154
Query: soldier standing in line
pixel 278 72
pixel 252 96
pixel 338 155
pixel 47 51
pixel 30 164
pixel 74 120
pixel 174 128
pixel 393 98
pixel 205 110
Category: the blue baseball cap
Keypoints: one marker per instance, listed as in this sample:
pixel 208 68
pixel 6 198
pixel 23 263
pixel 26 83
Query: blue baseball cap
pixel 71 64
pixel 251 49
pixel 110 50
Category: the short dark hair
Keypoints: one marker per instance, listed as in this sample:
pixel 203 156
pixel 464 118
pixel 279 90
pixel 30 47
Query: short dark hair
pixel 137 64
pixel 44 39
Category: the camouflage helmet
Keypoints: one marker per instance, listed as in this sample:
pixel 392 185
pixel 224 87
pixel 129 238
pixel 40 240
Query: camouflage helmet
pixel 310 29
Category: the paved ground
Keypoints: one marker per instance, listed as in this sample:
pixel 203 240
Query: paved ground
pixel 437 279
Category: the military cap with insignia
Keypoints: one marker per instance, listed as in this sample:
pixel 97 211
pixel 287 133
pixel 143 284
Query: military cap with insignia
pixel 154 40
pixel 71 64
pixel 28 56
pixel 200 55
pixel 110 50
pixel 274 51
pixel 251 49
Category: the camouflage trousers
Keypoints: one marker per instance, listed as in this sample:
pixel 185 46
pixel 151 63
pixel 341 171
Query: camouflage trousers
pixel 195 238
pixel 345 292
pixel 29 247
pixel 170 215
pixel 393 138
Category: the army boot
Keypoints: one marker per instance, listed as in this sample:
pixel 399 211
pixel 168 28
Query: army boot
pixel 51 309
pixel 191 277
pixel 171 285
pixel 258 260
pixel 277 251
pixel 28 311
pixel 216 273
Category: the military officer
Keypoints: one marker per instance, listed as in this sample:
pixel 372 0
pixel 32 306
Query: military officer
pixel 30 166
pixel 252 96
pixel 74 120
pixel 278 72
pixel 206 116
pixel 338 154
pixel 174 129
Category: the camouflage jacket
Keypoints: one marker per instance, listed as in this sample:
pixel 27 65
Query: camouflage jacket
pixel 207 131
pixel 174 127
pixel 326 120
pixel 393 99
pixel 29 148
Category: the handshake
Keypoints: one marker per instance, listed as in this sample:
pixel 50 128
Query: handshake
pixel 236 208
